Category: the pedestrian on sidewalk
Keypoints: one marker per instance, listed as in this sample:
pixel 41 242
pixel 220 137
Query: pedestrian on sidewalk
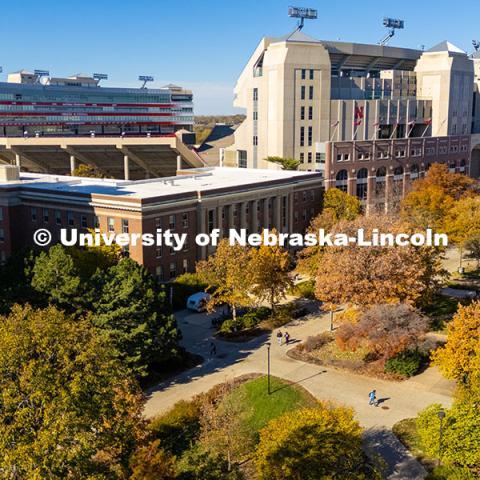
pixel 287 338
pixel 373 398
pixel 279 337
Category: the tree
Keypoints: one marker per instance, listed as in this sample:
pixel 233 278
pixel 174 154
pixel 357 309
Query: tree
pixel 227 275
pixel 473 247
pixel 459 358
pixel 68 408
pixel 134 313
pixel 343 205
pixel 151 462
pixel 337 205
pixel 286 163
pixel 224 429
pixel 372 275
pixel 312 443
pixel 385 330
pixel 56 276
pixel 270 267
pixel 84 170
pixel 432 197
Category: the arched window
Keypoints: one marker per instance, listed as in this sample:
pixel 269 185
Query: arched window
pixel 381 174
pixel 452 166
pixel 380 177
pixel 341 180
pixel 362 184
pixel 463 164
pixel 398 174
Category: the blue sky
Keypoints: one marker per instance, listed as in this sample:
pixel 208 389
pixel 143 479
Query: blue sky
pixel 203 44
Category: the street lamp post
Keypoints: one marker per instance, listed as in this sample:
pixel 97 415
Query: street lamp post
pixel 441 416
pixel 331 319
pixel 268 366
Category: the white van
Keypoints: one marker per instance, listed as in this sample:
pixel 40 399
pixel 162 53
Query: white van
pixel 198 301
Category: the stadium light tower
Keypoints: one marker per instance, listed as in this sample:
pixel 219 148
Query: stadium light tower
pixel 392 24
pixel 100 76
pixel 145 79
pixel 302 14
pixel 40 74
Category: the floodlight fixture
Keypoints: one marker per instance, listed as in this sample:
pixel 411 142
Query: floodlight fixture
pixel 145 79
pixel 100 76
pixel 476 45
pixel 392 24
pixel 302 13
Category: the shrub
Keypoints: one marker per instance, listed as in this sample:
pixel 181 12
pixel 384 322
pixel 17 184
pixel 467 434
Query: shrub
pixel 263 313
pixel 249 320
pixel 314 342
pixel 304 289
pixel 177 429
pixel 406 363
pixel 451 473
pixel 229 326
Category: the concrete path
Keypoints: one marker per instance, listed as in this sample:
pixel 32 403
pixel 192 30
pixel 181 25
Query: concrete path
pixel 398 400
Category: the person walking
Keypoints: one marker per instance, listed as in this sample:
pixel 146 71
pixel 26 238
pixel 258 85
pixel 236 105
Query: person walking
pixel 373 398
pixel 287 338
pixel 279 337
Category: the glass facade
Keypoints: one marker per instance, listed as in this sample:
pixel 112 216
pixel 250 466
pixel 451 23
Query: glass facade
pixel 42 110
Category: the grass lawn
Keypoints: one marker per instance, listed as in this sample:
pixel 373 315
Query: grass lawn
pixel 264 407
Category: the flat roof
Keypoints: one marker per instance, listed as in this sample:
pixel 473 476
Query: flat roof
pixel 200 180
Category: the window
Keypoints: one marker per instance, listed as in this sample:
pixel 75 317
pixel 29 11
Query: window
pixel 302 157
pixel 255 94
pixel 126 251
pixel 303 73
pixel 255 140
pixel 2 235
pixel 96 222
pixel 255 115
pixel 171 221
pixel 159 273
pixel 71 220
pixel 172 251
pixel 185 220
pixel 45 215
pixel 124 225
pixel 242 158
pixel 58 217
pixel 346 157
pixel 312 195
pixel 310 113
pixel 211 221
pixel 304 214
pixel 311 74
pixel 83 221
pixel 158 252
pixel 310 136
pixel 302 136
pixel 310 92
pixel 304 195
pixel 302 92
pixel 1 214
pixel 302 113
pixel 158 222
pixel 111 224
pixel 185 265
pixel 173 270
pixel 309 156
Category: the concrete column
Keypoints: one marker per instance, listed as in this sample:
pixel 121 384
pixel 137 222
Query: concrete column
pixel 231 218
pixel 179 162
pixel 388 191
pixel 72 164
pixel 17 160
pixel 254 216
pixel 277 207
pixel 266 212
pixel 352 185
pixel 243 215
pixel 371 180
pixel 220 220
pixel 126 167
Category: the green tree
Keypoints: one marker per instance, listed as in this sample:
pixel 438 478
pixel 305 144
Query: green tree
pixel 227 274
pixel 84 170
pixel 67 406
pixel 312 444
pixel 341 204
pixel 286 163
pixel 56 276
pixel 134 313
pixel 270 266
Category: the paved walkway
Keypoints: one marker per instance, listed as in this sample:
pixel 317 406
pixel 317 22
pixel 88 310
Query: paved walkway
pixel 399 399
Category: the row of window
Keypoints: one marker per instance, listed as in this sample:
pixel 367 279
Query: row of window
pixel 311 74
pixel 172 271
pixel 303 90
pixel 302 113
pixel 296 214
pixel 309 137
